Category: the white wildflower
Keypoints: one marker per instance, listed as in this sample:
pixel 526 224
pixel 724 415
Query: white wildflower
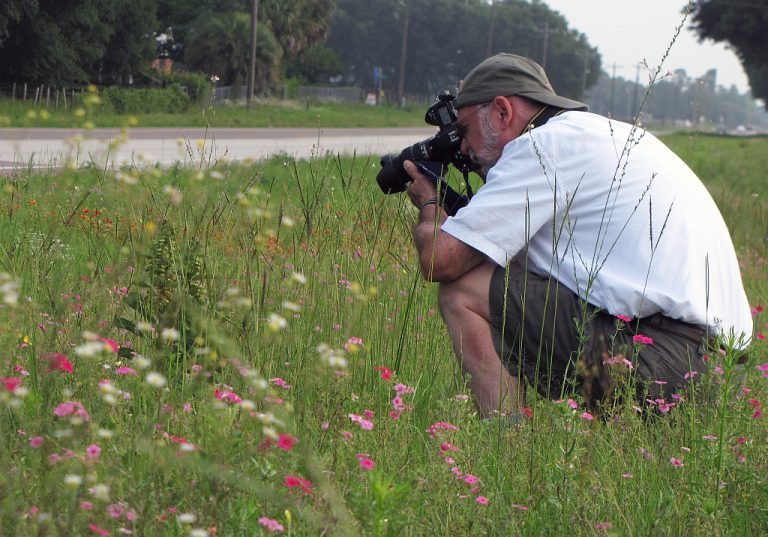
pixel 155 379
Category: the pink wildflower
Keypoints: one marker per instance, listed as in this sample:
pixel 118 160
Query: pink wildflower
pixel 519 507
pixel 624 318
pixel 292 481
pixel 482 500
pixel 11 383
pixel 447 446
pixel 677 463
pixel 115 510
pixel 603 526
pixel 627 476
pixel 386 373
pixel 587 416
pixel 366 463
pixel 573 404
pixel 436 428
pixel 126 371
pixel 364 423
pixel 271 524
pixel 353 344
pixel 402 389
pixel 111 344
pixel 280 383
pixel 227 396
pixel 470 479
pixel 71 408
pixel 97 530
pixel 92 452
pixel 286 442
pixel 85 505
pixel 59 362
pixel 642 340
pixel 35 442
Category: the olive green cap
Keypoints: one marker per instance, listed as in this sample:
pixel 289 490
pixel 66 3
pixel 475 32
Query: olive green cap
pixel 509 74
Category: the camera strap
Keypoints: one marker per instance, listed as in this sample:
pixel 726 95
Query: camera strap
pixel 546 113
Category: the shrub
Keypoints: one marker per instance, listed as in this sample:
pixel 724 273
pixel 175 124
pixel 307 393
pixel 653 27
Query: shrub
pixel 197 85
pixel 171 99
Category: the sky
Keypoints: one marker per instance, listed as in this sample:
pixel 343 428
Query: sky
pixel 626 31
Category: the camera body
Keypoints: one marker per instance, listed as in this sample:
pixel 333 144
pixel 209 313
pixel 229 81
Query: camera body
pixel 443 148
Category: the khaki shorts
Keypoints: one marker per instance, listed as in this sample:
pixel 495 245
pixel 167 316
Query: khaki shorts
pixel 562 345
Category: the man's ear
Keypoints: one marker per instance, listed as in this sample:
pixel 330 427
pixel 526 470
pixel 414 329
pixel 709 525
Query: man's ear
pixel 505 110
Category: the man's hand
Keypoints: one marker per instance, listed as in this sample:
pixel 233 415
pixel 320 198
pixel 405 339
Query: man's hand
pixel 442 257
pixel 420 189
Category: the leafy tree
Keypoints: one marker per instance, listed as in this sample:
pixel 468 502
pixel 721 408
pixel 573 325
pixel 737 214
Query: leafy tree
pixel 129 51
pixel 219 46
pixel 298 24
pixel 446 38
pixel 13 11
pixel 315 66
pixel 70 41
pixel 742 24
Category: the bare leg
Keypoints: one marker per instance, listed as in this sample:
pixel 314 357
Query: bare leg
pixel 465 309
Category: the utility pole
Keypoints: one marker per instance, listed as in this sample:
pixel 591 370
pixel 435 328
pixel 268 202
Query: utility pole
pixel 545 47
pixel 403 54
pixel 634 93
pixel 489 46
pixel 613 90
pixel 584 73
pixel 252 59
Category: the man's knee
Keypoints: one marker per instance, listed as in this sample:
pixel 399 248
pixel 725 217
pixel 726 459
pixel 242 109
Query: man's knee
pixel 468 294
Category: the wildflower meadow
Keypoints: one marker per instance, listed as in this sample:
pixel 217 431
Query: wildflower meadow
pixel 249 349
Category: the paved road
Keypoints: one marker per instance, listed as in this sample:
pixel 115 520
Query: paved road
pixel 42 148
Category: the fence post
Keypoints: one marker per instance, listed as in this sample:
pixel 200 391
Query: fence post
pixel 48 97
pixel 25 91
pixel 37 93
pixel 64 95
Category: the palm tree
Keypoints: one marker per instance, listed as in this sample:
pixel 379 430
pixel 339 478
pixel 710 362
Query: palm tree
pixel 219 45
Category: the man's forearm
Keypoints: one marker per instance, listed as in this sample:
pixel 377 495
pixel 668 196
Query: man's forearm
pixel 425 237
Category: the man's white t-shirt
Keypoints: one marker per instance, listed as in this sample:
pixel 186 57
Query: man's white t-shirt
pixel 613 215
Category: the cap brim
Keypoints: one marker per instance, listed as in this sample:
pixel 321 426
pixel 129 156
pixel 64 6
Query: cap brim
pixel 554 100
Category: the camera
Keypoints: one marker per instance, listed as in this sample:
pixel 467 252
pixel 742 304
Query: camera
pixel 432 156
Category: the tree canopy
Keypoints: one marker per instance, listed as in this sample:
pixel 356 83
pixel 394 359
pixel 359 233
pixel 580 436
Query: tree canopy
pixel 109 41
pixel 446 38
pixel 67 42
pixel 742 24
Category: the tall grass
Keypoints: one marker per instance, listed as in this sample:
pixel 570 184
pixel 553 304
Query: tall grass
pixel 233 349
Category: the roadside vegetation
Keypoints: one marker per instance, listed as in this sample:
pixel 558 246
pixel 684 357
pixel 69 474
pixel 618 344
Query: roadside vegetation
pixel 245 349
pixel 191 113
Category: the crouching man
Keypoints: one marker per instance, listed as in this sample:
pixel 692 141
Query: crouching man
pixel 582 221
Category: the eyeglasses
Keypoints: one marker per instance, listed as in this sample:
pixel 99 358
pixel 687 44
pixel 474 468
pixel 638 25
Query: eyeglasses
pixel 461 126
